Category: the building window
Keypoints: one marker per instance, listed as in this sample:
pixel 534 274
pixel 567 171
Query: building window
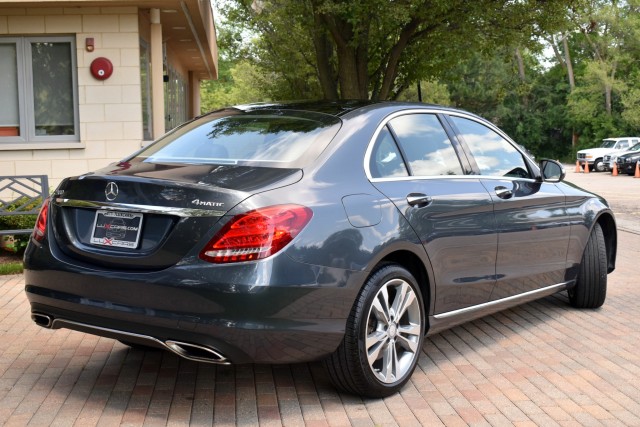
pixel 175 99
pixel 38 89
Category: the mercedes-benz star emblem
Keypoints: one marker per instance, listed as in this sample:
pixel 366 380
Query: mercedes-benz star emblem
pixel 111 191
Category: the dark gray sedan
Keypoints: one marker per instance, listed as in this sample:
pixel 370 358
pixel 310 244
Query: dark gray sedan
pixel 279 233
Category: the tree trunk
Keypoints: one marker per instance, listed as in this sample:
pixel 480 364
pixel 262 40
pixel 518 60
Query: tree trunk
pixel 567 59
pixel 522 75
pixel 608 88
pixel 572 84
pixel 348 74
pixel 349 67
pixel 391 71
pixel 552 42
pixel 362 59
pixel 323 54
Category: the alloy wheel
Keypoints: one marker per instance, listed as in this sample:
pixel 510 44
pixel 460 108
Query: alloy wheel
pixel 393 331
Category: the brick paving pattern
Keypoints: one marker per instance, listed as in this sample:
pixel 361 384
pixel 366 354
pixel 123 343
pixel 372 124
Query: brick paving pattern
pixel 542 364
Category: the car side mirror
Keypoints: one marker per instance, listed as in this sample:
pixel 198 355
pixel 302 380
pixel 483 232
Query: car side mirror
pixel 552 171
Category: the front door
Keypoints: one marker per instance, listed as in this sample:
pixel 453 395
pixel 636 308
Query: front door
pixel 531 218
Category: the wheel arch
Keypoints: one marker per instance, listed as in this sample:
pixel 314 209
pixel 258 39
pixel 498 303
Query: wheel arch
pixel 415 265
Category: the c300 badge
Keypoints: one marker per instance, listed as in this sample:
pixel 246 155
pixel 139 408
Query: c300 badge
pixel 111 191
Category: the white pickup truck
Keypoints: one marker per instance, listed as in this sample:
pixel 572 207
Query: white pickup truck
pixel 595 156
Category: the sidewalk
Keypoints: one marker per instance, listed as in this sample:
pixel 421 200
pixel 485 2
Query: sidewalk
pixel 543 363
pixel 622 192
pixel 539 364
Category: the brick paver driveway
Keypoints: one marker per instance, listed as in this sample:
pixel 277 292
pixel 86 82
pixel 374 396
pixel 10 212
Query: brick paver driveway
pixel 543 363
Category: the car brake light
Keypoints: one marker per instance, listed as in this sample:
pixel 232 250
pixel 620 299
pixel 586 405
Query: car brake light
pixel 256 234
pixel 41 223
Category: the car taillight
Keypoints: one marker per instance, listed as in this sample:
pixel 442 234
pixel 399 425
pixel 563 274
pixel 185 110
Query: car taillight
pixel 256 234
pixel 41 223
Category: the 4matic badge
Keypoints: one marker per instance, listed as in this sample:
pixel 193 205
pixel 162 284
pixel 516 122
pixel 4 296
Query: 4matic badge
pixel 199 202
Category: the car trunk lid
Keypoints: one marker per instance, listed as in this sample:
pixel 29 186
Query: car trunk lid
pixel 145 216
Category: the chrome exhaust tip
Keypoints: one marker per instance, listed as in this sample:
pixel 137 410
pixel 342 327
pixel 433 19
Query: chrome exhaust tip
pixel 43 320
pixel 196 352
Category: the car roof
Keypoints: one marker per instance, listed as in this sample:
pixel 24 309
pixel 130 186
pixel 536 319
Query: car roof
pixel 333 108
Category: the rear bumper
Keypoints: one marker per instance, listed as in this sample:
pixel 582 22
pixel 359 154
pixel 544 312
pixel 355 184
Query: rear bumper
pixel 246 315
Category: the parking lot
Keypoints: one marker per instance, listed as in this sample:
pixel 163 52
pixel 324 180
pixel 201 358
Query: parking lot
pixel 542 363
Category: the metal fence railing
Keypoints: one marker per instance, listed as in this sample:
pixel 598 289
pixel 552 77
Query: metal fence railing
pixel 20 195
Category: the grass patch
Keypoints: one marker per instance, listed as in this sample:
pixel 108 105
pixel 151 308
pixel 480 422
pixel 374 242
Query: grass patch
pixel 11 268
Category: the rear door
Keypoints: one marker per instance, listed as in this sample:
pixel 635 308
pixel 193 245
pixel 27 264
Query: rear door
pixel 532 223
pixel 423 171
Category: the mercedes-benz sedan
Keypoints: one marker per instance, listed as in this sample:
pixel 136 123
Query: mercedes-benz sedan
pixel 345 232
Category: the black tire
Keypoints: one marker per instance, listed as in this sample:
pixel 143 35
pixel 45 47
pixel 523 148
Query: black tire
pixel 590 289
pixel 598 166
pixel 356 369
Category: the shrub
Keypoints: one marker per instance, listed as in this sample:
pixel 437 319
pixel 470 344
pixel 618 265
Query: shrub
pixel 19 222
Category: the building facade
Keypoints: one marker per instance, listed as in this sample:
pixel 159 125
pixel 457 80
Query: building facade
pixel 86 83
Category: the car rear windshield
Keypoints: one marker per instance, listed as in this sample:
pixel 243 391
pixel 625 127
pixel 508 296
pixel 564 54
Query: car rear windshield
pixel 273 138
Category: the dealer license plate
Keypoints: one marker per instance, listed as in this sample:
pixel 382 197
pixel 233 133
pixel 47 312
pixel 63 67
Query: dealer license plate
pixel 117 229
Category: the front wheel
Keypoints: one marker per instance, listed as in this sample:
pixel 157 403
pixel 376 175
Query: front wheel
pixel 384 336
pixel 599 166
pixel 590 289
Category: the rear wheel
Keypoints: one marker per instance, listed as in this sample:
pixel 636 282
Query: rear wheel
pixel 384 336
pixel 590 290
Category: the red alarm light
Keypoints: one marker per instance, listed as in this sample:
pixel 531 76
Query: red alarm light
pixel 101 68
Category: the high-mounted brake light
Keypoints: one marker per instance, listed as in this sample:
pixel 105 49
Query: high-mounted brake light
pixel 256 234
pixel 41 223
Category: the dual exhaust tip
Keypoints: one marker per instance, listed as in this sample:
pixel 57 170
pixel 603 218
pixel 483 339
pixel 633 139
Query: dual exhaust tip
pixel 190 351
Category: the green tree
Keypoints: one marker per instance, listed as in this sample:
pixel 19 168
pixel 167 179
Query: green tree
pixel 631 102
pixel 376 49
pixel 597 50
pixel 238 83
pixel 511 89
pixel 431 92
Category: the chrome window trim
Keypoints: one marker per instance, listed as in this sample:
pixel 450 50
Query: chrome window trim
pixel 387 119
pixel 497 130
pixel 147 209
pixel 453 177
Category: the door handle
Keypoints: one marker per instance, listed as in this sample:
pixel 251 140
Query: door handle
pixel 503 192
pixel 418 199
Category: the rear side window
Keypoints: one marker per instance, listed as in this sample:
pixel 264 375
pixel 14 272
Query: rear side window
pixel 425 145
pixel 386 160
pixel 273 138
pixel 493 154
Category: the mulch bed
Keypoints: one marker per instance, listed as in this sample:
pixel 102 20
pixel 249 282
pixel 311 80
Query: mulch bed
pixel 8 257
